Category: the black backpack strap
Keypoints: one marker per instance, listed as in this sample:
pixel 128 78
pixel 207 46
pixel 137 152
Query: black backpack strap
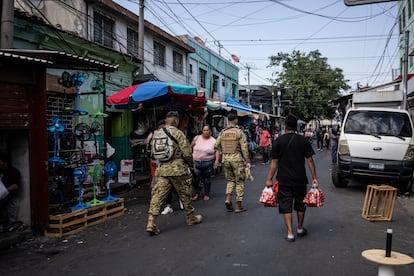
pixel 169 135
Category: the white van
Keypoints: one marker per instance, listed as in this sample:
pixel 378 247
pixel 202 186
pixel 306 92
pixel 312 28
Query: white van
pixel 377 144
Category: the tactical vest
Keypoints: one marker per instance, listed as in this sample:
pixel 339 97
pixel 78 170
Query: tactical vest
pixel 230 140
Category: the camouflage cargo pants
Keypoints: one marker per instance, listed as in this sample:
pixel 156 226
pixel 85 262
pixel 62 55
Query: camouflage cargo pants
pixel 182 185
pixel 235 175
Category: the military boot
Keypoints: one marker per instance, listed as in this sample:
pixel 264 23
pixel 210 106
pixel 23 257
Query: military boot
pixel 152 229
pixel 194 219
pixel 229 206
pixel 239 207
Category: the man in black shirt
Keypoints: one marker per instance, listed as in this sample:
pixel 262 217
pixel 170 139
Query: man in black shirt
pixel 289 153
pixel 10 177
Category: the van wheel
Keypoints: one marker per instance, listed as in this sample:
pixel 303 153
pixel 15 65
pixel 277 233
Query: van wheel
pixel 338 180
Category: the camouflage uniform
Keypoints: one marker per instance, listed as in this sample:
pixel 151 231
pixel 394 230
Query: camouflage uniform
pixel 174 173
pixel 233 161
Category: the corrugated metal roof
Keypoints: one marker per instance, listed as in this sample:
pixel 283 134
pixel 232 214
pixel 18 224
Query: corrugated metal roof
pixel 57 59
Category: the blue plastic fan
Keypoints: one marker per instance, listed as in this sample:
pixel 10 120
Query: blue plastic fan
pixel 81 174
pixel 56 128
pixel 77 81
pixel 109 171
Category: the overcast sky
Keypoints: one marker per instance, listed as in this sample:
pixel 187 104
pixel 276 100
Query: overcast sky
pixel 360 40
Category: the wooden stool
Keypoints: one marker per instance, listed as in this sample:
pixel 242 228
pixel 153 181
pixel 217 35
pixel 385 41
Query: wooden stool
pixel 379 202
pixel 386 264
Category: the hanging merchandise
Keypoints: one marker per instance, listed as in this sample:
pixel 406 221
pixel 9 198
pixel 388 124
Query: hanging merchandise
pixel 65 80
pixel 56 128
pixel 109 171
pixel 81 175
pixel 96 173
pixel 98 86
pixel 77 81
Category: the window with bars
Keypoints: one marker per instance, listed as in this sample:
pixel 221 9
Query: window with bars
pixel 203 74
pixel 177 62
pixel 132 42
pixel 215 83
pixel 102 30
pixel 56 104
pixel 159 54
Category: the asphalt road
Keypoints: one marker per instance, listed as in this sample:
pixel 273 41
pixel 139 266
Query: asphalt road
pixel 250 243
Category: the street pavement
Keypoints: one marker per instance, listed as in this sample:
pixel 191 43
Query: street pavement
pixel 250 243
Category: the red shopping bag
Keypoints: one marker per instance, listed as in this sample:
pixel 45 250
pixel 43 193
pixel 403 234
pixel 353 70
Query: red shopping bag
pixel 314 198
pixel 269 196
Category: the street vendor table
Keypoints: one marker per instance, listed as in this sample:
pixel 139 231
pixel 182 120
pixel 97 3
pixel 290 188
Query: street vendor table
pixel 386 264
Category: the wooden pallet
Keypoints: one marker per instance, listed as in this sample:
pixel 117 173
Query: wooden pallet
pixel 379 203
pixel 76 221
pixel 101 213
pixel 66 224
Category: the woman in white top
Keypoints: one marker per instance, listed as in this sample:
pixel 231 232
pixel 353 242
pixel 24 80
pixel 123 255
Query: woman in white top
pixel 204 156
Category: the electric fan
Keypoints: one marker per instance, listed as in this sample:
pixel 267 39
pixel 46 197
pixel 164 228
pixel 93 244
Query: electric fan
pixel 55 129
pixel 77 81
pixel 82 132
pixel 65 80
pixel 96 129
pixel 95 172
pixel 81 174
pixel 67 144
pixel 98 86
pixel 109 171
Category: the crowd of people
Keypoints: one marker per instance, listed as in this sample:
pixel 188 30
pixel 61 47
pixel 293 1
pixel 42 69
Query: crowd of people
pixel 189 171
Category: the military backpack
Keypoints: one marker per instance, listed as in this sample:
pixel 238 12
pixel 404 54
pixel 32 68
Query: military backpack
pixel 163 145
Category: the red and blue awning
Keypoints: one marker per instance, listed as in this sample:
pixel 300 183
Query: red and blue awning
pixel 155 93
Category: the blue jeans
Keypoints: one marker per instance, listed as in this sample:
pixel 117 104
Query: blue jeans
pixel 202 172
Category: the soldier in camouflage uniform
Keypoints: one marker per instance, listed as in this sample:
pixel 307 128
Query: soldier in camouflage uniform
pixel 173 173
pixel 232 142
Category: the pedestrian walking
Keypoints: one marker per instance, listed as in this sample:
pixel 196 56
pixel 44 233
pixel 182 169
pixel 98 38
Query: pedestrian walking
pixel 204 156
pixel 326 138
pixel 319 138
pixel 174 159
pixel 235 155
pixel 265 143
pixel 288 158
pixel 334 142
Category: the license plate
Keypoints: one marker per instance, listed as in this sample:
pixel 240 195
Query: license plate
pixel 376 166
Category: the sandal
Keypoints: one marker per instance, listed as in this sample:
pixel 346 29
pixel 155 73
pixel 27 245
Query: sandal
pixel 195 197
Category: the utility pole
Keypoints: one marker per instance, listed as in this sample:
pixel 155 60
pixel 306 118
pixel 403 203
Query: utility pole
pixel 273 100
pixel 405 72
pixel 248 85
pixel 7 24
pixel 141 36
pixel 219 45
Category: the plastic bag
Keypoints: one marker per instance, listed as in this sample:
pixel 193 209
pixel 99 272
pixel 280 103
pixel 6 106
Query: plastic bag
pixel 314 198
pixel 3 190
pixel 269 196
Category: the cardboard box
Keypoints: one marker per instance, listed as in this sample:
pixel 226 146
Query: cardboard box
pixel 127 165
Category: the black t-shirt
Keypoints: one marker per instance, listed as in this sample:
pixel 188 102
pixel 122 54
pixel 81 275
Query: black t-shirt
pixel 291 170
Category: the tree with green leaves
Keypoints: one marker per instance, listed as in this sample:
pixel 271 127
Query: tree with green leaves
pixel 309 82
